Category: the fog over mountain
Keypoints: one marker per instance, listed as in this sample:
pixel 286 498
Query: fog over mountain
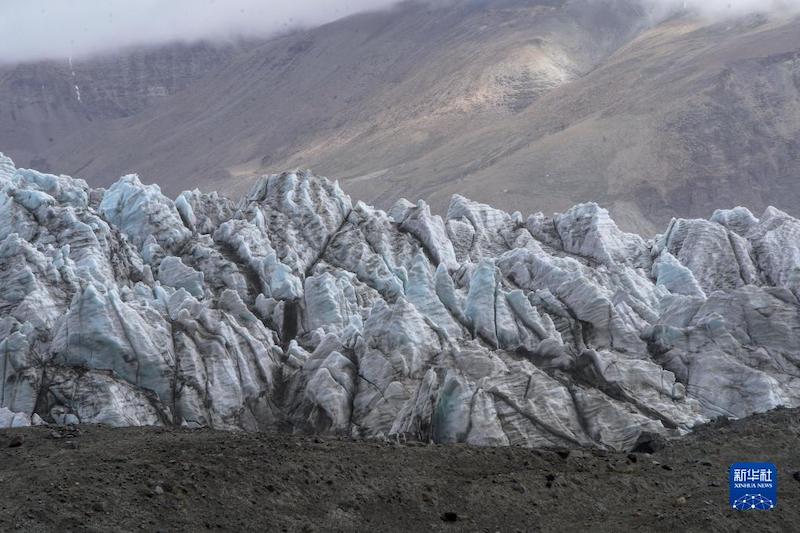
pixel 724 8
pixel 82 28
pixel 78 29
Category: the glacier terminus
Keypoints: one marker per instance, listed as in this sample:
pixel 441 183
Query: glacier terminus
pixel 296 309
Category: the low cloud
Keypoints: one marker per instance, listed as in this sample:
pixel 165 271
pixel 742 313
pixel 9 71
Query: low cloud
pixel 724 8
pixel 38 29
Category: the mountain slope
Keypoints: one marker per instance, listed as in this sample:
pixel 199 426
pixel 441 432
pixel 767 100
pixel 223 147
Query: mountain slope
pixel 413 77
pixel 46 104
pixel 526 105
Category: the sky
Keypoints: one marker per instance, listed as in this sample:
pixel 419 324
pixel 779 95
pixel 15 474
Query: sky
pixel 37 29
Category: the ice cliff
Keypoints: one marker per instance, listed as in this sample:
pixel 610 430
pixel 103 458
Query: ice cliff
pixel 295 309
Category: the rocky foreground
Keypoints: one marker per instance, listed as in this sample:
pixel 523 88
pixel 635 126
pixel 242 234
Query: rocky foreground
pixel 92 478
pixel 295 309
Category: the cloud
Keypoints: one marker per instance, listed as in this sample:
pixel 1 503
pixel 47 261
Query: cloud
pixel 37 29
pixel 724 8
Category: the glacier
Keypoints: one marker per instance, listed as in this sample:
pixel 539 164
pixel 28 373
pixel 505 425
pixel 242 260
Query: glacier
pixel 296 309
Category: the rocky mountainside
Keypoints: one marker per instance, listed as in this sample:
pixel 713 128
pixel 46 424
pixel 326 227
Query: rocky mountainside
pixel 46 104
pixel 297 309
pixel 417 66
pixel 525 105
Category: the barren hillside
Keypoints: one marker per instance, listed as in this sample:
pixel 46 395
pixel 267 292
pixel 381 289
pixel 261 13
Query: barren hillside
pixel 525 105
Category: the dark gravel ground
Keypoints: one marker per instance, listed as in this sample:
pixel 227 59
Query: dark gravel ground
pixel 102 479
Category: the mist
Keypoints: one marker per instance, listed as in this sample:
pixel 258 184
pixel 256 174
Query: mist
pixel 56 29
pixel 720 9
